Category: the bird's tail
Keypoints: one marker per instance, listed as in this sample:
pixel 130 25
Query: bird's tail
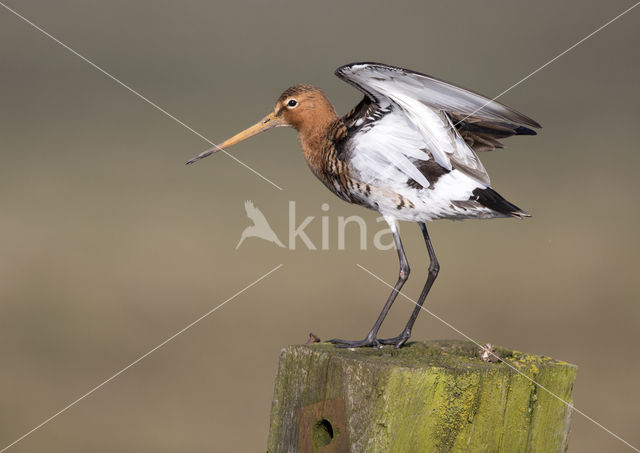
pixel 493 200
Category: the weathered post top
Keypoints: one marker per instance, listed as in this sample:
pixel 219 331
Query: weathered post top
pixel 437 396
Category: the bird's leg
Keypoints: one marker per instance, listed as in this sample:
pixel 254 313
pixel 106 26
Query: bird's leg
pixel 371 338
pixel 434 268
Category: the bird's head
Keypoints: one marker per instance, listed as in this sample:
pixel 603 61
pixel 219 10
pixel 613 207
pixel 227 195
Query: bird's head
pixel 302 107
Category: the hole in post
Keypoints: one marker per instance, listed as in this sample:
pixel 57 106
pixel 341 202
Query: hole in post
pixel 322 433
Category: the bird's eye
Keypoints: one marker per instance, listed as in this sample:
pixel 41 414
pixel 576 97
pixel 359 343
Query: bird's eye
pixel 292 103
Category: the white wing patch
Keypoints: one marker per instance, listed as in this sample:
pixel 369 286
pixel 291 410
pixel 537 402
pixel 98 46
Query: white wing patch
pixel 385 151
pixel 413 129
pixel 440 138
pixel 430 123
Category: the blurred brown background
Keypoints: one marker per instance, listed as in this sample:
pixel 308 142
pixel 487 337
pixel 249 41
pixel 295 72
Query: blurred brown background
pixel 109 244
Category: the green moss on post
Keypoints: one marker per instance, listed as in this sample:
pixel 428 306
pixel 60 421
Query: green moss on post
pixel 436 396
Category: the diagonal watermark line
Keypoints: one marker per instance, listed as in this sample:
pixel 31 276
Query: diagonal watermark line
pixel 147 100
pixel 142 357
pixel 569 405
pixel 551 61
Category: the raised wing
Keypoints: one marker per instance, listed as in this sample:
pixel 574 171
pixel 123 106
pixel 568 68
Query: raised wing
pixel 377 79
pixel 436 110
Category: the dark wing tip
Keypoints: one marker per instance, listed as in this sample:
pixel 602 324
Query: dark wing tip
pixel 533 123
pixel 521 130
pixel 517 117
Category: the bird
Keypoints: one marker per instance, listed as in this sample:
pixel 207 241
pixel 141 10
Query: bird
pixel 408 150
pixel 260 228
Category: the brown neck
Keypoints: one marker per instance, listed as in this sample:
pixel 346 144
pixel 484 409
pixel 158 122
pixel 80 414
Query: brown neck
pixel 313 140
pixel 313 134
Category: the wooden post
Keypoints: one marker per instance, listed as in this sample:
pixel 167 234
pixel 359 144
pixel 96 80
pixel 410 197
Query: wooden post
pixel 437 396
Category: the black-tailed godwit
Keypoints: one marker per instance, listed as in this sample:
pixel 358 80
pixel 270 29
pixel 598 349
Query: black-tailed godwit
pixel 407 150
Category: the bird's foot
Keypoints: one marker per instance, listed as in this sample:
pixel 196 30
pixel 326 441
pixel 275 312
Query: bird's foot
pixel 398 341
pixel 367 342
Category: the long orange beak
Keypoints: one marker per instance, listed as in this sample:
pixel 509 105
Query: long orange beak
pixel 269 121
